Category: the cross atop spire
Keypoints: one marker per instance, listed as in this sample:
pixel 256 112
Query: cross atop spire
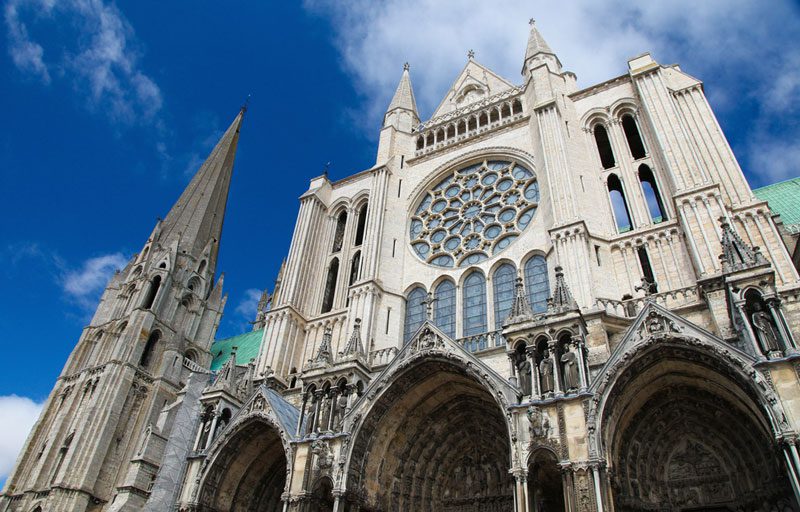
pixel 195 221
pixel 471 54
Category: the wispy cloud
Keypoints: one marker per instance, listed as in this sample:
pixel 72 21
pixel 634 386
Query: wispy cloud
pixel 85 283
pixel 95 52
pixel 19 414
pixel 745 49
pixel 248 305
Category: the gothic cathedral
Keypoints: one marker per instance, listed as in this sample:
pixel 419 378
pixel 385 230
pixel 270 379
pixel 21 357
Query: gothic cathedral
pixel 543 298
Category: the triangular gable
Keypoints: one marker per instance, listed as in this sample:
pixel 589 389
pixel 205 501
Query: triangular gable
pixel 656 322
pixel 476 74
pixel 429 341
pixel 268 402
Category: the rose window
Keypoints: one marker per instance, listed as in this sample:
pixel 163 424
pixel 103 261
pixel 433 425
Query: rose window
pixel 474 213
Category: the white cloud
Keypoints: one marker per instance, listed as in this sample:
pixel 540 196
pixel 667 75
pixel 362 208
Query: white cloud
pixel 745 49
pixel 98 57
pixel 19 414
pixel 248 306
pixel 87 282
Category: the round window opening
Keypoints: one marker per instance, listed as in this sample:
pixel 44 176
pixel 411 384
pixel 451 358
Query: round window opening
pixel 474 213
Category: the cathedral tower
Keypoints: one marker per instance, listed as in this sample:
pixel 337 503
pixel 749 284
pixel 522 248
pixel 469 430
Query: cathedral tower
pixel 92 447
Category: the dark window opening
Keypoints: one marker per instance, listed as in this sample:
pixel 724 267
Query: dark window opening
pixel 330 285
pixel 361 226
pixel 149 349
pixel 155 284
pixel 619 204
pixel 647 270
pixel 338 237
pixel 604 147
pixel 635 143
pixel 650 188
pixel 355 268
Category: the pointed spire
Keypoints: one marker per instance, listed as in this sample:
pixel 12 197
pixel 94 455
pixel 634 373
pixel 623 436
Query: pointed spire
pixel 261 310
pixel 737 255
pixel 562 299
pixel 404 95
pixel 354 345
pixel 196 218
pixel 324 356
pixel 538 51
pixel 520 307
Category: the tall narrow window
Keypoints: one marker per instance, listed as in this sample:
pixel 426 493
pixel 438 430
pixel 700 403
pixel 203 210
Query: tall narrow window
pixel 537 283
pixel 355 268
pixel 647 269
pixel 474 304
pixel 155 284
pixel 361 226
pixel 604 147
pixel 330 285
pixel 635 143
pixel 149 349
pixel 651 194
pixel 338 236
pixel 415 312
pixel 503 293
pixel 619 204
pixel 444 313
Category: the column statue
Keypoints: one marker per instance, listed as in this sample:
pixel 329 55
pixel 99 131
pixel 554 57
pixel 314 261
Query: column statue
pixel 524 370
pixel 546 372
pixel 572 378
pixel 765 330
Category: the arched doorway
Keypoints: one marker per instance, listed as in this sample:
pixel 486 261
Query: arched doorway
pixel 683 430
pixel 545 489
pixel 248 472
pixel 436 439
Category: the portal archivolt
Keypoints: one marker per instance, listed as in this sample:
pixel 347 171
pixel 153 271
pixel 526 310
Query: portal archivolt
pixel 435 440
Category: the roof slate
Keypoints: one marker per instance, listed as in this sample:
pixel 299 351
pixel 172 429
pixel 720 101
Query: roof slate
pixel 783 199
pixel 247 343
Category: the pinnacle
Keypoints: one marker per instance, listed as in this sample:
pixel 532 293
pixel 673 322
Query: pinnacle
pixel 537 45
pixel 404 95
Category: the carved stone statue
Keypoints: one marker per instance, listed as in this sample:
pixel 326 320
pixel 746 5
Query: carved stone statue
pixel 546 372
pixel 341 410
pixel 765 331
pixel 524 371
pixel 539 423
pixel 571 372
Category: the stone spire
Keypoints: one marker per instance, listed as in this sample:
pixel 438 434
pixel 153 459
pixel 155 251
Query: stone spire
pixel 520 308
pixel 562 299
pixel 538 52
pixel 261 310
pixel 324 356
pixel 354 345
pixel 402 101
pixel 737 255
pixel 195 221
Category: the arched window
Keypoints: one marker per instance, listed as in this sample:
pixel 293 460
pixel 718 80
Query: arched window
pixel 415 312
pixel 330 285
pixel 355 267
pixel 149 349
pixel 472 124
pixel 202 267
pixel 635 143
pixel 338 236
pixel 451 132
pixel 152 292
pixel 444 313
pixel 537 283
pixel 503 293
pixel 474 304
pixel 619 204
pixel 647 269
pixel 651 195
pixel 361 226
pixel 420 142
pixel 505 111
pixel 604 147
pixel 517 107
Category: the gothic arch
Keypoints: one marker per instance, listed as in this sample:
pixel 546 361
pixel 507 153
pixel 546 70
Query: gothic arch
pixel 247 466
pixel 683 420
pixel 454 431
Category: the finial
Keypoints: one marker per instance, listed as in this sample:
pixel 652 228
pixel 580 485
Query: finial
pixel 531 22
pixel 471 54
pixel 245 104
pixel 406 66
pixel 325 170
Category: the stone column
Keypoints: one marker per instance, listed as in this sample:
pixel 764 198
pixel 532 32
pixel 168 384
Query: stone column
pixel 332 398
pixel 514 379
pixel 552 345
pixel 580 349
pixel 212 433
pixel 597 487
pixel 317 400
pixel 792 465
pixel 520 491
pixel 302 414
pixel 774 305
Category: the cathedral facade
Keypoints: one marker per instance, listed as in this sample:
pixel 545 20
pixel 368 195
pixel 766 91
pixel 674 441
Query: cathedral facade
pixel 542 298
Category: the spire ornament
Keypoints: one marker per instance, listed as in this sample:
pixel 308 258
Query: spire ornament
pixel 562 299
pixel 471 54
pixel 520 307
pixel 406 66
pixel 354 346
pixel 324 356
pixel 736 254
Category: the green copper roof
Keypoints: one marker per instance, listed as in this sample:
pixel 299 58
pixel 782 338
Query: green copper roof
pixel 783 199
pixel 247 343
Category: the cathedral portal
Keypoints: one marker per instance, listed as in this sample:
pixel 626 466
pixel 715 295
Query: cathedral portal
pixel 684 433
pixel 435 440
pixel 248 472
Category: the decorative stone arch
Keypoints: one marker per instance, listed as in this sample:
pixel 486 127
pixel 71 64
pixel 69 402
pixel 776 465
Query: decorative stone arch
pixel 595 116
pixel 343 204
pixel 226 479
pixel 382 457
pixel 676 410
pixel 624 106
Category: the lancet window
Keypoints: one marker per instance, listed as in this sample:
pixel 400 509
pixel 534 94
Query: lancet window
pixel 474 314
pixel 604 147
pixel 619 204
pixel 634 138
pixel 330 285
pixel 537 283
pixel 444 314
pixel 651 194
pixel 503 283
pixel 415 312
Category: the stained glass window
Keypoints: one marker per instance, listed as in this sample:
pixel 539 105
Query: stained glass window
pixel 474 304
pixel 473 213
pixel 503 293
pixel 415 312
pixel 537 283
pixel 444 313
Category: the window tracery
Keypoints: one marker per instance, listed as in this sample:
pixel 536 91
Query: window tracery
pixel 474 213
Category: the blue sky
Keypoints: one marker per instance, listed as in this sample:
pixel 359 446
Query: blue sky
pixel 109 108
